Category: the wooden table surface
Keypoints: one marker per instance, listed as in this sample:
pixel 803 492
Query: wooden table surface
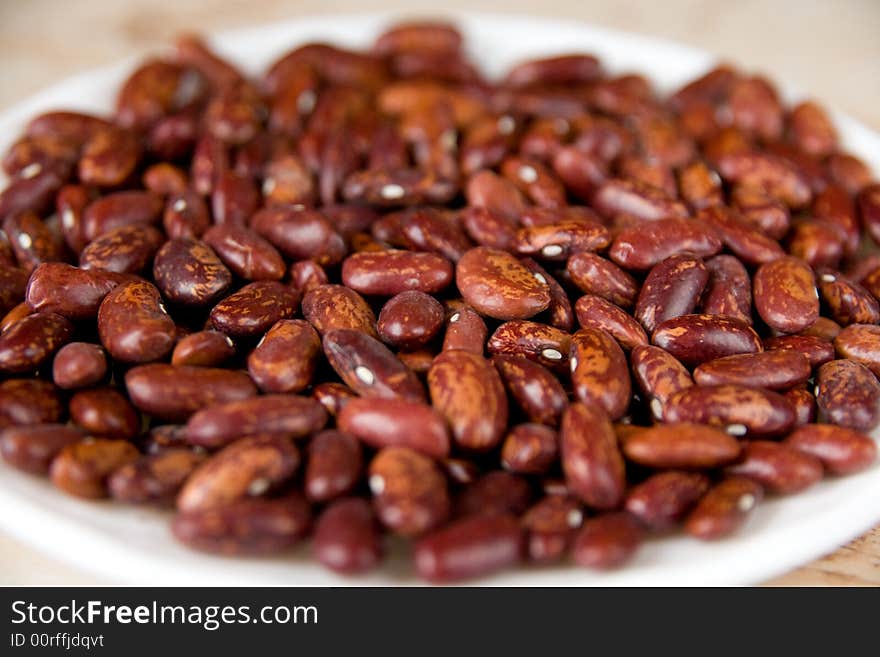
pixel 829 49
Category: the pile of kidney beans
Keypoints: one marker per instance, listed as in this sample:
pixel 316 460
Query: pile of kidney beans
pixel 374 293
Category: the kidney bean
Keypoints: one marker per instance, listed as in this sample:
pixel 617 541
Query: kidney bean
pixel 465 329
pixel 748 244
pixel 550 525
pixel 777 370
pixel 13 285
pixel 762 211
pixel 557 241
pixel 409 491
pixel 249 467
pixel 368 367
pixel 695 339
pixel 189 273
pixel 664 499
pixel 700 186
pixel 52 152
pixel 31 191
pixel 19 312
pixel 848 171
pixel 306 275
pixel 816 242
pixel 680 444
pixel 219 424
pixel 842 451
pixel 32 448
pixel 396 422
pixel 659 376
pixel 823 328
pixel 779 468
pixel 203 348
pixel 468 393
pixel 299 234
pixel 346 537
pixel 804 405
pixel 246 527
pixel 186 215
pixel 775 174
pixel 286 357
pixel 32 241
pixel 329 307
pixel 724 508
pixel 105 412
pixel 643 246
pixel 538 342
pixel 387 273
pixel 165 179
pixel 637 199
pixel 860 343
pixel 496 284
pixel 848 395
pixel 79 365
pixel 671 289
pixel 32 341
pixel 559 313
pixel 496 492
pixel 728 290
pixel 591 460
pixel 835 206
pixel 334 466
pixel 470 547
pixel 599 372
pixel 29 401
pixel 425 229
pixel 486 189
pixel 82 468
pixel 607 541
pixel 154 478
pixel 125 208
pixel 529 449
pixel 810 129
pixel 133 324
pixel 109 157
pixel 174 392
pixel 740 410
pixel 333 396
pixel 254 308
pixel 488 229
pixel 410 319
pixel 847 302
pixel 533 387
pixel 128 249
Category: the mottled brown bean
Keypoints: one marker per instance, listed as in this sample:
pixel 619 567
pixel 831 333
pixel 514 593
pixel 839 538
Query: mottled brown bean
pixel 529 449
pixel 671 289
pixel 848 395
pixel 32 341
pixel 410 320
pixel 254 308
pixel 154 478
pixel 174 392
pixel 779 468
pixel 785 295
pixel 203 348
pixel 133 324
pixel 409 491
pixel 79 365
pixel 105 412
pixel 682 445
pixel 126 250
pixel 596 312
pixel 81 469
pixel 661 501
pixel 467 391
pixel 396 422
pixel 535 389
pixel 32 448
pixel 347 538
pixel 607 541
pixel 695 339
pixel 368 367
pixel 599 372
pixel 334 465
pixel 220 424
pixel 740 410
pixel 591 459
pixel 724 508
pixel 496 284
pixel 777 370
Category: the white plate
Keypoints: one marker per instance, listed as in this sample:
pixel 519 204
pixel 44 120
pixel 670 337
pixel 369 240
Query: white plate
pixel 132 545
